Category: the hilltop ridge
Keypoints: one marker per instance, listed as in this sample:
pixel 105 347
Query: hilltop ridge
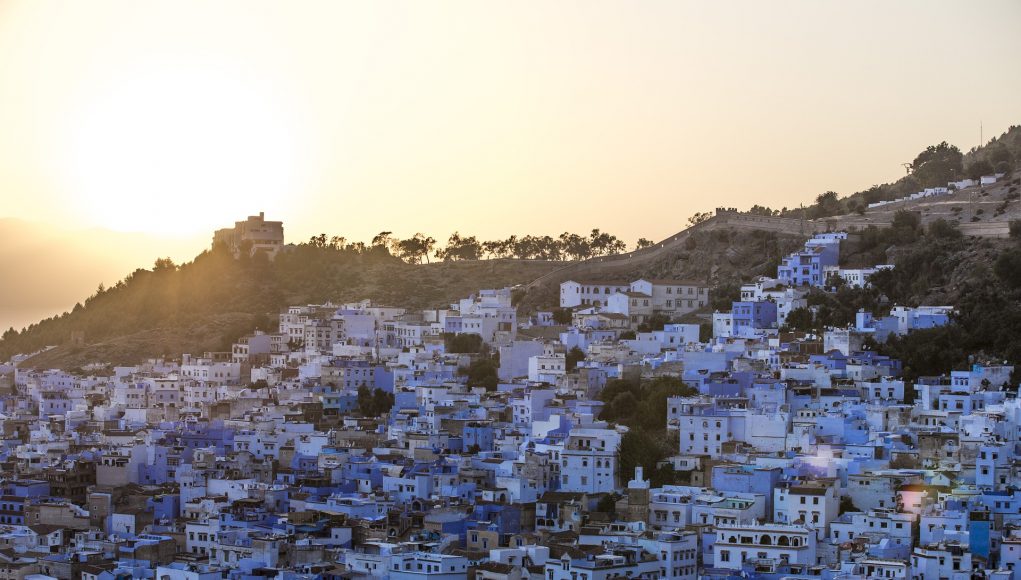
pixel 205 304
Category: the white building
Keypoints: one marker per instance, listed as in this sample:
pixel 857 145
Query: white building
pixel 735 545
pixel 589 461
pixel 855 277
pixel 415 565
pixel 678 554
pixel 950 561
pixel 547 368
pixel 575 293
pixel 811 505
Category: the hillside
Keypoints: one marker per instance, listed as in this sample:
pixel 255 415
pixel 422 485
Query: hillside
pixel 53 268
pixel 935 166
pixel 207 303
pixel 716 252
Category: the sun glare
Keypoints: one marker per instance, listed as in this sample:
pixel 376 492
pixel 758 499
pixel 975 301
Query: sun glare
pixel 179 152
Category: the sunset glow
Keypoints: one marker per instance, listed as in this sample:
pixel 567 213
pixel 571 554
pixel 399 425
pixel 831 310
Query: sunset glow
pixel 175 151
pixel 180 116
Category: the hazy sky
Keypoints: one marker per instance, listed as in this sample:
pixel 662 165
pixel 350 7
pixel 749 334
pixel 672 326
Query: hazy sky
pixel 490 118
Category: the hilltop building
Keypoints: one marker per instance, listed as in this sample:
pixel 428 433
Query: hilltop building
pixel 254 235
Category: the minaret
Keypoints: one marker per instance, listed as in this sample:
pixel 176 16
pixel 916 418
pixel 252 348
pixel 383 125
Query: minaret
pixel 638 498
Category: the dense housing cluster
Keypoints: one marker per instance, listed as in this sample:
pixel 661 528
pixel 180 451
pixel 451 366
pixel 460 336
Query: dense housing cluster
pixel 361 440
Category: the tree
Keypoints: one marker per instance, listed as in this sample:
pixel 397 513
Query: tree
pixel 623 405
pixel 937 165
pixel 977 169
pixel 638 448
pixel 616 403
pixel 462 343
pixel 482 373
pixel 509 247
pixel 699 217
pixel 1008 267
pixel 562 316
pixel 652 409
pixel 164 265
pixel 800 319
pixel 941 229
pixel 382 239
pixel 316 241
pixel 904 227
pixel 575 246
pixel 643 243
pixel 460 248
pixel 655 322
pixel 574 356
pixel 382 401
pixel 847 505
pixel 826 204
pixel 604 244
pixel 364 400
pixel 762 210
pixel 607 504
pixel 413 249
pixel 373 402
pixel 547 248
pixel 1015 229
pixel 724 295
pixel 999 153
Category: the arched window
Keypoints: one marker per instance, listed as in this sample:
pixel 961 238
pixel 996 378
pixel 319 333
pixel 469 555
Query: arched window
pixel 783 541
pixel 765 540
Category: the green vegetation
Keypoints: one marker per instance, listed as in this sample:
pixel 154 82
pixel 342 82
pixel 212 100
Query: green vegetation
pixel 206 304
pixel 646 448
pixel 482 372
pixel 567 246
pixel 419 247
pixel 374 402
pixel 937 165
pixel 979 277
pixel 934 166
pixel 574 356
pixel 642 404
pixel 655 322
pixel 562 316
pixel 608 504
pixel 462 343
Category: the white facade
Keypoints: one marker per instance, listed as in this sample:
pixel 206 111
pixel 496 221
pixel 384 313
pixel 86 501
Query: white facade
pixel 736 545
pixel 812 505
pixel 588 292
pixel 547 368
pixel 589 461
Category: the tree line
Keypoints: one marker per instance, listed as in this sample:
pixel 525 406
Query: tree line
pixel 420 247
pixel 935 166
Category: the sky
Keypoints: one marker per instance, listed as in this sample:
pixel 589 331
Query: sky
pixel 489 118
